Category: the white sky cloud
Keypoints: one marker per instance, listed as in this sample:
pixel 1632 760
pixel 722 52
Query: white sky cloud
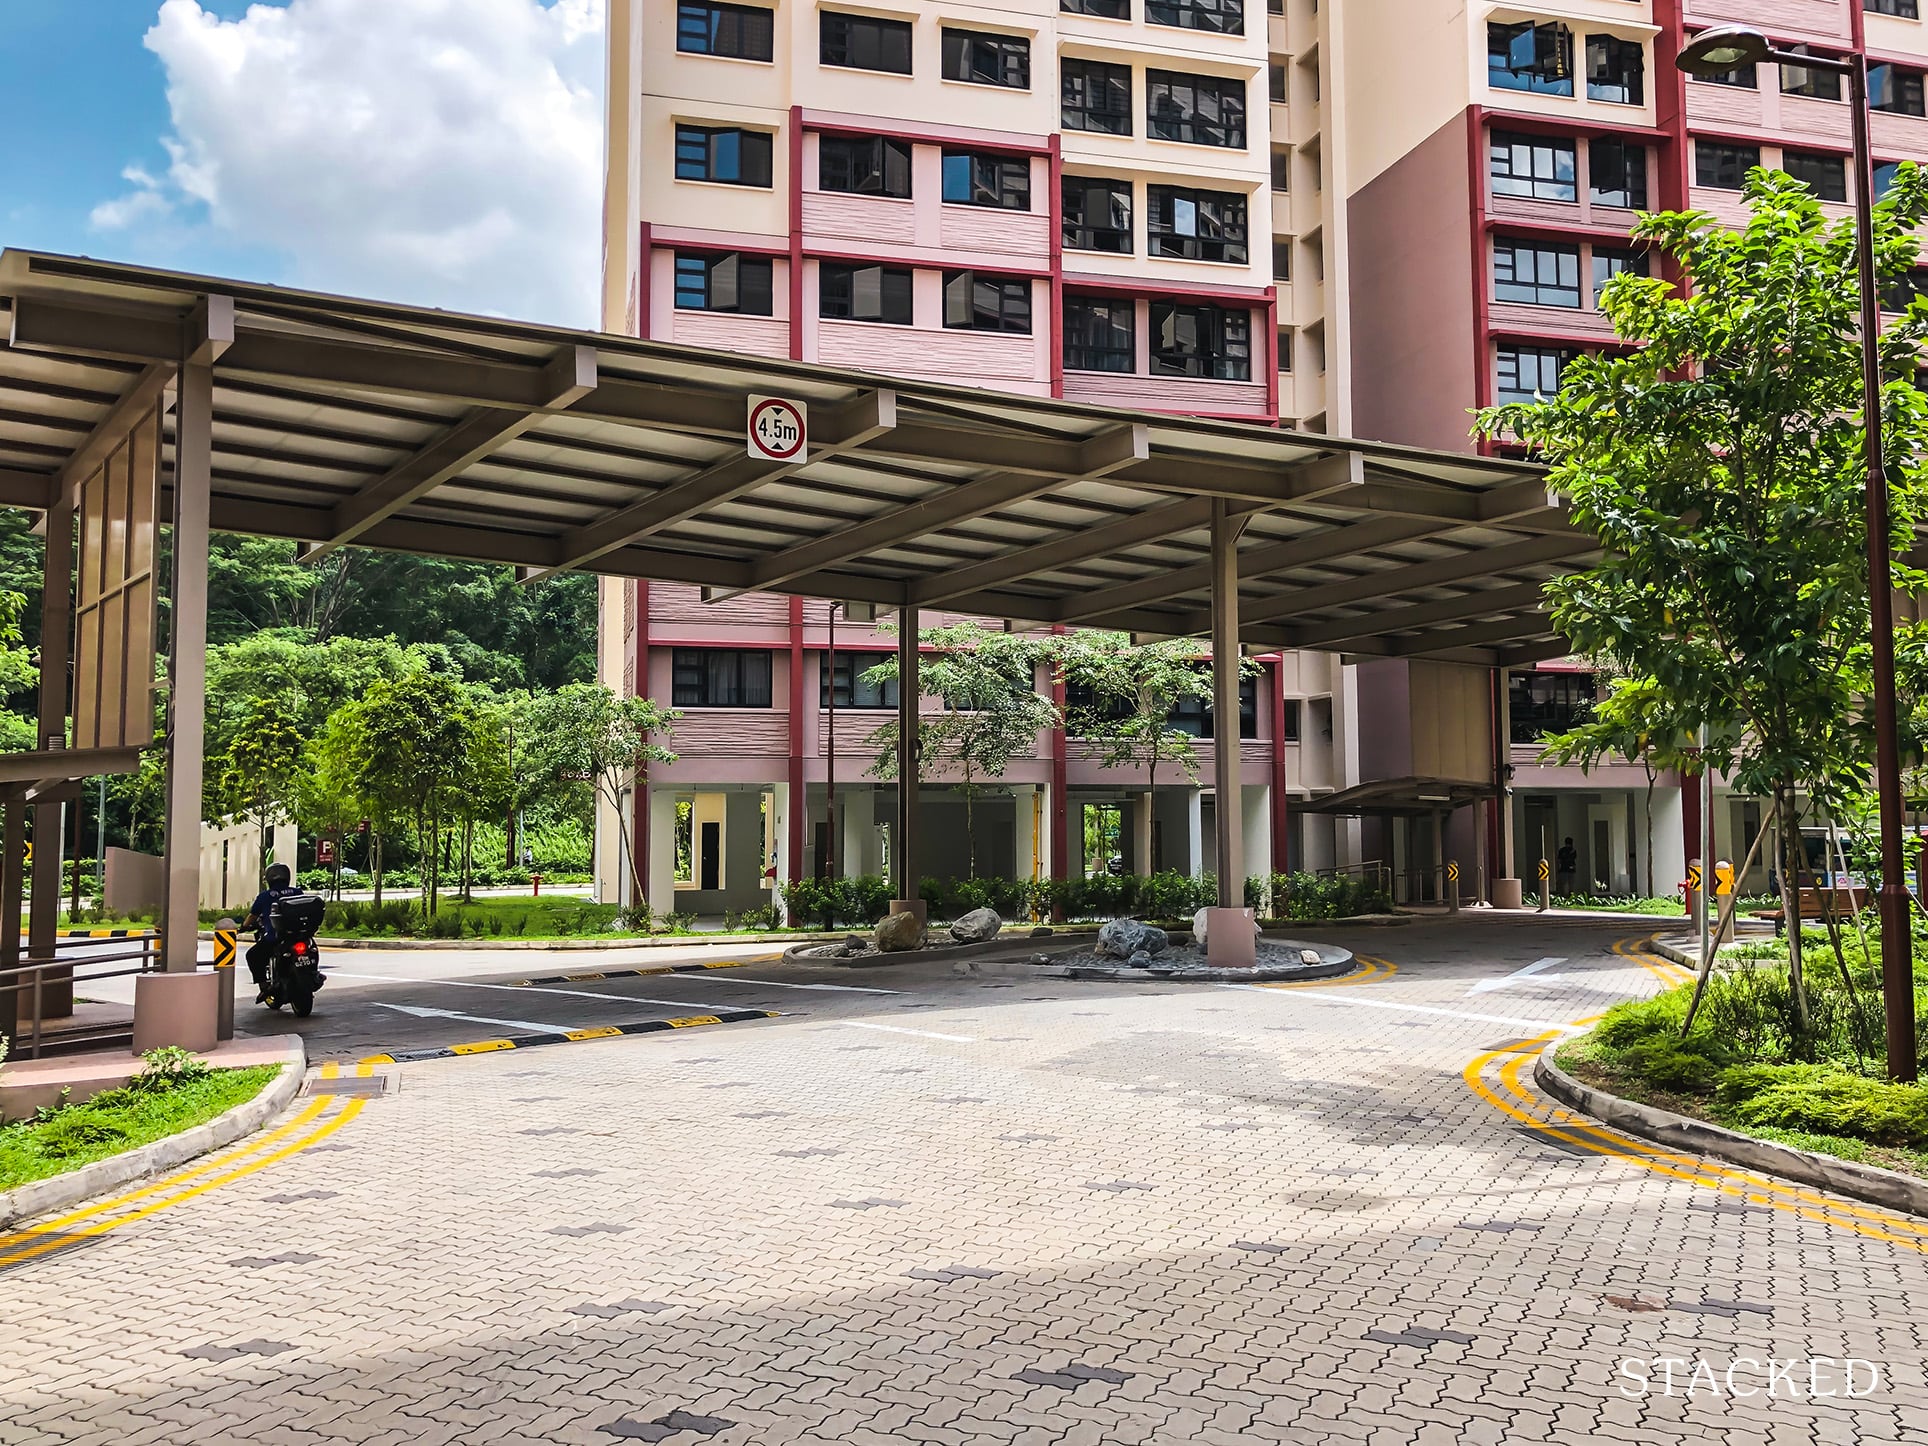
pixel 446 152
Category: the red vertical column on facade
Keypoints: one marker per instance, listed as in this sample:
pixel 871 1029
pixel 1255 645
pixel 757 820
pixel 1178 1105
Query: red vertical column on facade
pixel 642 283
pixel 1057 264
pixel 639 798
pixel 1281 805
pixel 1060 775
pixel 798 798
pixel 1476 168
pixel 1670 105
pixel 1272 351
pixel 796 233
pixel 1690 813
pixel 1495 846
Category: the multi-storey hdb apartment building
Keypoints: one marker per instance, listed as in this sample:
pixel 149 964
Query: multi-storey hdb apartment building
pixel 1358 216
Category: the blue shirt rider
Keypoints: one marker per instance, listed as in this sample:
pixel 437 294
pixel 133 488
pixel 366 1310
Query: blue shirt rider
pixel 261 920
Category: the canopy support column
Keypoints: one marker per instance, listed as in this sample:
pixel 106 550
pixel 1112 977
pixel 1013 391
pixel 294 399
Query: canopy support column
pixel 187 665
pixel 56 622
pixel 1230 935
pixel 903 838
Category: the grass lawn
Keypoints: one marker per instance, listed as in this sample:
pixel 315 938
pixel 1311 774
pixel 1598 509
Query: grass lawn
pixel 119 1120
pixel 1583 1059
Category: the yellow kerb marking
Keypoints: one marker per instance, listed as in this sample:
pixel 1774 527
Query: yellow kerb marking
pixel 482 1046
pixel 692 1020
pixel 590 1033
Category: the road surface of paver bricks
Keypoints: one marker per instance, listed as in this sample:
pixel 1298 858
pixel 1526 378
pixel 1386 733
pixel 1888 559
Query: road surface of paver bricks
pixel 979 1210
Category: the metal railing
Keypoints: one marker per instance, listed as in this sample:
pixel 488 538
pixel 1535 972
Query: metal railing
pixel 1374 871
pixel 29 979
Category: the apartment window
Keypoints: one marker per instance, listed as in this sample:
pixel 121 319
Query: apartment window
pixel 1285 350
pixel 1723 167
pixel 1281 260
pixel 1609 264
pixel 1097 215
pixel 1808 81
pixel 1203 110
pixel 1616 70
pixel 1097 96
pixel 844 677
pixel 1745 77
pixel 730 282
pixel 1826 176
pixel 1617 173
pixel 1105 9
pixel 738 32
pixel 1899 293
pixel 979 178
pixel 1282 171
pixel 1201 341
pixel 1538 273
pixel 1195 225
pixel 864 165
pixel 1543 703
pixel 1884 177
pixel 1904 8
pixel 1535 56
pixel 973 302
pixel 982 59
pixel 729 155
pixel 1542 167
pixel 1227 17
pixel 1100 335
pixel 1275 83
pixel 863 42
pixel 1895 90
pixel 1194 715
pixel 720 678
pixel 1526 372
pixel 848 292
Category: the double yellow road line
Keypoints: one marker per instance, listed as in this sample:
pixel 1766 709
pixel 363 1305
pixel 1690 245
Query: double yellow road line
pixel 1495 1077
pixel 316 1122
pixel 1370 971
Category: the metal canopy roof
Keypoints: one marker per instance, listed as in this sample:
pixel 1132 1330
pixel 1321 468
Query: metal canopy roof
pixel 343 421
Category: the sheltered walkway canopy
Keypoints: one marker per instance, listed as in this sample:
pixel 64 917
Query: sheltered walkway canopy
pixel 333 422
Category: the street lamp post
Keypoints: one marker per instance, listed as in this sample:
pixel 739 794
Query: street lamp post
pixel 1713 52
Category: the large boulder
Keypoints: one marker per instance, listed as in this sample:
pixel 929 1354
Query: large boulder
pixel 1122 938
pixel 900 933
pixel 977 926
pixel 1199 927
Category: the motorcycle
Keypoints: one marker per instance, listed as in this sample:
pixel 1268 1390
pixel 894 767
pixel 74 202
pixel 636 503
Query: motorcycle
pixel 294 970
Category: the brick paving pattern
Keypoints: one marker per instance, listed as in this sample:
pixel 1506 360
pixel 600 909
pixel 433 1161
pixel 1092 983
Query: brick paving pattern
pixel 1088 1213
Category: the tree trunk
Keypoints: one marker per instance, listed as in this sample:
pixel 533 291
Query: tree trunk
pixel 468 861
pixel 1722 917
pixel 1788 827
pixel 375 864
pixel 508 829
pixel 1648 825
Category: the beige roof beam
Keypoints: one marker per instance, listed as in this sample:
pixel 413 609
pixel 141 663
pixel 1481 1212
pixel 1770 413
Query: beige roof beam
pixel 148 335
pixel 845 429
pixel 1320 546
pixel 1346 631
pixel 1403 577
pixel 1320 478
pixel 569 376
pixel 1103 455
pixel 30 490
pixel 1479 635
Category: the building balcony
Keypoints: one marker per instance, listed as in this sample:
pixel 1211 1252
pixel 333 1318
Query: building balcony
pixel 1586 327
pixel 1574 215
pixel 1168 394
pixel 830 217
pixel 703 734
pixel 1899 137
pixel 973 358
pixel 763 336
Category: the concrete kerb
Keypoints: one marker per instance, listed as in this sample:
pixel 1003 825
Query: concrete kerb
pixel 1696 1137
pixel 943 953
pixel 45 1197
pixel 491 942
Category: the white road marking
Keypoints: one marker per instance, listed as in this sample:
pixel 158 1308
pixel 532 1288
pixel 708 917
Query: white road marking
pixel 1327 997
pixel 921 1033
pixel 522 989
pixel 1486 986
pixel 423 1012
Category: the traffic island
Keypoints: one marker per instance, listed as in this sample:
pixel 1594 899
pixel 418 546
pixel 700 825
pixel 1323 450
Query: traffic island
pixel 1187 963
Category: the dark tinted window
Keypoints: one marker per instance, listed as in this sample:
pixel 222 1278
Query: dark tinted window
pixel 846 674
pixel 729 282
pixel 719 678
pixel 1609 264
pixel 1109 9
pixel 863 42
pixel 1617 173
pixel 1616 70
pixel 1097 96
pixel 740 32
pixel 1204 110
pixel 979 178
pixel 1530 56
pixel 1808 81
pixel 975 302
pixel 982 59
pixel 1723 166
pixel 1201 341
pixel 1196 225
pixel 1224 16
pixel 1540 273
pixel 864 165
pixel 864 293
pixel 1097 215
pixel 1895 90
pixel 1543 167
pixel 733 156
pixel 1826 176
pixel 1522 372
pixel 1099 335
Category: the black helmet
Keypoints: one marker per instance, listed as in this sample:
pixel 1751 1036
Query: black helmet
pixel 279 877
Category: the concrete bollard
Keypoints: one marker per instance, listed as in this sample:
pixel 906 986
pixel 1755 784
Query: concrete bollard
pixel 226 933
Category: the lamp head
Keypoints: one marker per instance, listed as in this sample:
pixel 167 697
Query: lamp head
pixel 1723 48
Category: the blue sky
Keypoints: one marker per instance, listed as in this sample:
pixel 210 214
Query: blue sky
pixel 445 152
pixel 86 99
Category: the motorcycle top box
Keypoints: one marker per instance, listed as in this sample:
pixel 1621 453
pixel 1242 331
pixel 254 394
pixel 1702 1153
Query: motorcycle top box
pixel 294 970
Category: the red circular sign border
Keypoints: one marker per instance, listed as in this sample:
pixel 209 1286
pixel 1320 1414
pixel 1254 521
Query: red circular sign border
pixel 791 407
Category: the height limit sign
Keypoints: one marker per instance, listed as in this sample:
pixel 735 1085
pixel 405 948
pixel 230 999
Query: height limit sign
pixel 779 429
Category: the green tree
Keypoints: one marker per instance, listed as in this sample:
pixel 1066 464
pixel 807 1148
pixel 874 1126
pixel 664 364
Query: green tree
pixel 1720 465
pixel 19 673
pixel 986 682
pixel 585 732
pixel 260 771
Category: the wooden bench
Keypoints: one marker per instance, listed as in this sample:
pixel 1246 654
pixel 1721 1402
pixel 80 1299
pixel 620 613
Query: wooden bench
pixel 1818 904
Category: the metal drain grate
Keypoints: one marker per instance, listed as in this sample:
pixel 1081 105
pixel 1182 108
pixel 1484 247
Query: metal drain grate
pixel 368 1086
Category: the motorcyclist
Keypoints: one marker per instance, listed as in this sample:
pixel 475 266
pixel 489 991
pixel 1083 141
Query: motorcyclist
pixel 261 920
